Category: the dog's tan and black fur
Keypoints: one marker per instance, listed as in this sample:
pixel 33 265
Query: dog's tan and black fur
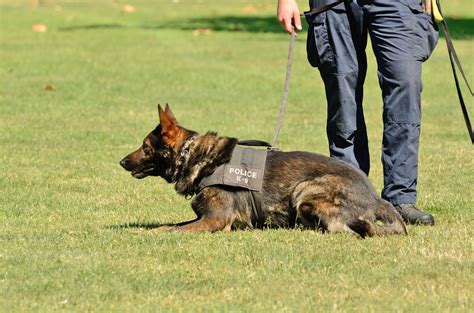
pixel 299 188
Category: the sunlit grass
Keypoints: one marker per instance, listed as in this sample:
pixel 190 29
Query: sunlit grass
pixel 66 206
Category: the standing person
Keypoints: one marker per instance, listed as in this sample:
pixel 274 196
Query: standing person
pixel 403 37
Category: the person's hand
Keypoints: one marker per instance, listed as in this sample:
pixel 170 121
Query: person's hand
pixel 288 15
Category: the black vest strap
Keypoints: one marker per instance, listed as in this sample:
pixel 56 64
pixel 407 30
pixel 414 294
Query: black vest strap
pixel 254 143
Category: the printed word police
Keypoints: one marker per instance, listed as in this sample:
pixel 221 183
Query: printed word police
pixel 246 173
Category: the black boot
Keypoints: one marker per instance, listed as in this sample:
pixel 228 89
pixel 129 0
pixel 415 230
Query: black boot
pixel 412 215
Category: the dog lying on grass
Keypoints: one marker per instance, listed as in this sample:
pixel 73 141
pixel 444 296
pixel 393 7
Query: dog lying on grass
pixel 298 189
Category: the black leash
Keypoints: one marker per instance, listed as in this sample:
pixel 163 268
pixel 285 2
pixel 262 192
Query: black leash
pixel 454 59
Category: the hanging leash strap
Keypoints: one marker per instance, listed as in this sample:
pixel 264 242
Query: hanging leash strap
pixel 284 99
pixel 454 59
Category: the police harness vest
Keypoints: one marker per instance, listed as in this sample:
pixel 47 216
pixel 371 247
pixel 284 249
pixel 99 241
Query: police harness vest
pixel 245 170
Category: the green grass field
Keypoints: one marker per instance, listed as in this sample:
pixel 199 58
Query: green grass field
pixel 69 215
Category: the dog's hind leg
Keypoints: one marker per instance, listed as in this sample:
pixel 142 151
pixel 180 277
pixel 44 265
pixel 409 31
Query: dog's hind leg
pixel 382 220
pixel 392 221
pixel 367 228
pixel 319 204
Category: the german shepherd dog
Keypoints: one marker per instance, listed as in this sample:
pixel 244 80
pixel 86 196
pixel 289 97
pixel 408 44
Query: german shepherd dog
pixel 299 188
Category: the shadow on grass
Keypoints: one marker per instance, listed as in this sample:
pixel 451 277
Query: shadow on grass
pixel 91 27
pixel 137 225
pixel 460 28
pixel 249 24
pixel 149 226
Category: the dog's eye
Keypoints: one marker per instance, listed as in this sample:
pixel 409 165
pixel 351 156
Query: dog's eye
pixel 146 149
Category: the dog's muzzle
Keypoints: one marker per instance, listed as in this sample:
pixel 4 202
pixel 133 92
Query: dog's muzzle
pixel 125 164
pixel 137 172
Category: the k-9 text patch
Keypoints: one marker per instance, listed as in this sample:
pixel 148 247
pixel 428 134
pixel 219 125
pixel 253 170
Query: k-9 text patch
pixel 243 176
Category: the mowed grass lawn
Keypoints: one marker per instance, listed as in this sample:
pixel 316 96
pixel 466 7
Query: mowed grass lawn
pixel 77 98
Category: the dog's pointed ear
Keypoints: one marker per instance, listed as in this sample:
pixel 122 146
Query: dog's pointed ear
pixel 170 114
pixel 161 112
pixel 169 125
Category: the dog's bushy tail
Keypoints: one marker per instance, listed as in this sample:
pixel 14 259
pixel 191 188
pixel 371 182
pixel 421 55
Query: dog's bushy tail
pixel 392 223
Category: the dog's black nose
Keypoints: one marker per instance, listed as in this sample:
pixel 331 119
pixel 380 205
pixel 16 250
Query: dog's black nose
pixel 124 163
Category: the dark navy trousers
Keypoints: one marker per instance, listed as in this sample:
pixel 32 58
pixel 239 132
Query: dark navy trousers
pixel 402 36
